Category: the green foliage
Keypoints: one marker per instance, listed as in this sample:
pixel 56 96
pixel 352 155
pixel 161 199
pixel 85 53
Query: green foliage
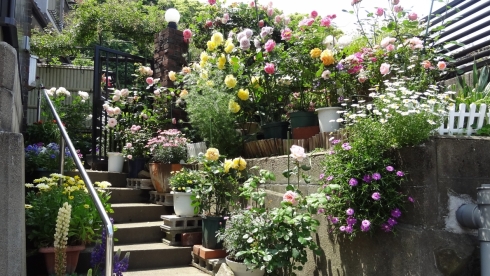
pixel 42 132
pixel 185 180
pixel 44 199
pixel 477 92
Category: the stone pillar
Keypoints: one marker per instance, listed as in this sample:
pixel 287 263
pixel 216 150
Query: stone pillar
pixel 169 50
pixel 12 211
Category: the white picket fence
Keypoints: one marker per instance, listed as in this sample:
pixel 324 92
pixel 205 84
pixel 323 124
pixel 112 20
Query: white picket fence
pixel 193 149
pixel 462 122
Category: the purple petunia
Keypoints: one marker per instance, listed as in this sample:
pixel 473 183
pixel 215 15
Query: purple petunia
pixel 336 141
pixel 376 176
pixel 322 175
pixel 349 212
pixel 376 196
pixel 400 173
pixel 331 152
pixel 320 211
pixel 329 178
pixel 367 178
pixel 351 221
pixel 342 228
pixel 390 168
pixel 392 221
pixel 411 199
pixel 348 229
pixel 346 146
pixel 396 213
pixel 334 220
pixel 386 227
pixel 353 182
pixel 365 225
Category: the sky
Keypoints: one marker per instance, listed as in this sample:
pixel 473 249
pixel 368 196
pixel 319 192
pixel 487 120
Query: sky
pixel 344 20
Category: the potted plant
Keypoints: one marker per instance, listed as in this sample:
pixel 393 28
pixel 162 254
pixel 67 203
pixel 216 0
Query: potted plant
pixel 169 152
pixel 217 193
pixel 135 149
pixel 44 199
pixel 182 182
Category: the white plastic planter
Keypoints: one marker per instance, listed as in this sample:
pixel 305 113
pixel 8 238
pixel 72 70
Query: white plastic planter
pixel 327 117
pixel 240 269
pixel 183 204
pixel 115 162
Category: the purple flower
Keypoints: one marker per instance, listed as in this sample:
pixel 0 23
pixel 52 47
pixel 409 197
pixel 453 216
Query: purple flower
pixel 346 146
pixel 349 212
pixel 367 178
pixel 390 168
pixel 334 220
pixel 411 199
pixel 400 173
pixel 392 221
pixel 320 211
pixel 353 182
pixel 327 197
pixel 329 178
pixel 396 213
pixel 376 196
pixel 348 229
pixel 376 176
pixel 340 99
pixel 340 66
pixel 336 141
pixel 331 152
pixel 351 221
pixel 342 228
pixel 365 225
pixel 386 227
pixel 322 176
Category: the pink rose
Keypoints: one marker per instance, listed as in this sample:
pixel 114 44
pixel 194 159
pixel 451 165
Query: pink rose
pixel 310 21
pixel 278 19
pixel 441 65
pixel 412 16
pixel 208 24
pixel 297 153
pixel 149 80
pixel 390 47
pixel 244 43
pixel 362 79
pixel 333 16
pixel 314 14
pixel 426 64
pixel 129 156
pixel 252 4
pixel 212 2
pixel 290 197
pixel 270 11
pixel 269 68
pixel 287 20
pixel 187 33
pixel 129 145
pixel 380 12
pixel 286 34
pixel 384 68
pixel 398 8
pixel 261 23
pixel 112 122
pixel 269 45
pixel 174 121
pixel 325 22
pixel 395 2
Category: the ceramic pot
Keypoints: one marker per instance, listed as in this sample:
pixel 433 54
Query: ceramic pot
pixel 183 204
pixel 240 269
pixel 72 253
pixel 325 116
pixel 160 174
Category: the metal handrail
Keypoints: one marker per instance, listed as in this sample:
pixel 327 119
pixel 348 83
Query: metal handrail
pixel 90 187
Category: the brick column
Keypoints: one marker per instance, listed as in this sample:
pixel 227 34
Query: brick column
pixel 169 48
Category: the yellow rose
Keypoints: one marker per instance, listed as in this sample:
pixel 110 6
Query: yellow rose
pixel 233 106
pixel 186 70
pixel 243 94
pixel 239 163
pixel 227 165
pixel 221 66
pixel 229 47
pixel 212 154
pixel 211 45
pixel 327 57
pixel 230 81
pixel 184 93
pixel 315 53
pixel 204 75
pixel 204 57
pixel 255 82
pixel 222 62
pixel 172 76
pixel 210 83
pixel 217 38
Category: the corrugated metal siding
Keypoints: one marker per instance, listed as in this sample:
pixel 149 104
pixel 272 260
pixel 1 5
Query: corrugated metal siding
pixel 74 79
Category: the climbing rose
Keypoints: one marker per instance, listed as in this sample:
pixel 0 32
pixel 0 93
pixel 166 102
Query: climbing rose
pixel 412 16
pixel 187 33
pixel 384 68
pixel 269 68
pixel 290 197
pixel 297 153
pixel 441 65
pixel 380 11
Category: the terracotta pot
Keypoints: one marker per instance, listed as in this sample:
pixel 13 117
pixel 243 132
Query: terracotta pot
pixel 305 132
pixel 160 174
pixel 72 253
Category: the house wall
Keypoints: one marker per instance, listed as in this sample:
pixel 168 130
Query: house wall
pixel 443 173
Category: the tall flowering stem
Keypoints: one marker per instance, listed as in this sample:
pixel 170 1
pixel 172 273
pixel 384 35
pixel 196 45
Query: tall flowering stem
pixel 61 237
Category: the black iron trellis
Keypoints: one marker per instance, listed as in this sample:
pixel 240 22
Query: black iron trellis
pixel 112 69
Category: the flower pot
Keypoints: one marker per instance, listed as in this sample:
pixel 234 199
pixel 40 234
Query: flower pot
pixel 303 119
pixel 160 174
pixel 305 132
pixel 136 165
pixel 183 204
pixel 325 115
pixel 240 269
pixel 275 130
pixel 72 253
pixel 210 225
pixel 115 162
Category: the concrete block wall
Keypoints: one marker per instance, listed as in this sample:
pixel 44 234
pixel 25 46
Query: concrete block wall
pixel 443 173
pixel 12 210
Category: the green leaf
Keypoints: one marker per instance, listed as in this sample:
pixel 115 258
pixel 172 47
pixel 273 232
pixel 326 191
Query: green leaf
pixel 305 167
pixel 295 253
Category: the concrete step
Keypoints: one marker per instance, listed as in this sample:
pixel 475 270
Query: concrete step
pixel 116 179
pixel 129 195
pixel 155 255
pixel 139 232
pixel 138 212
pixel 183 270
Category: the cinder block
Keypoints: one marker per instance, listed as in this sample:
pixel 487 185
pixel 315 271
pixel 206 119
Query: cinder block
pixel 207 253
pixel 189 239
pixel 173 222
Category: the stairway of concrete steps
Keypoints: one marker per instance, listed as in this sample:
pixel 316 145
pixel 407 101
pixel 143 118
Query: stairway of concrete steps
pixel 138 231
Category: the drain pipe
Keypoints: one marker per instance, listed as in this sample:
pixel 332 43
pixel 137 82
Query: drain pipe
pixel 478 217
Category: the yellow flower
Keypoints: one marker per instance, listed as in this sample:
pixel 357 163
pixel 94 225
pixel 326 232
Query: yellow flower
pixel 28 206
pixel 230 81
pixel 229 47
pixel 255 82
pixel 221 62
pixel 240 163
pixel 227 165
pixel 86 206
pixel 243 94
pixel 210 83
pixel 211 45
pixel 71 181
pixel 204 75
pixel 327 57
pixel 172 76
pixel 221 66
pixel 183 94
pixel 71 197
pixel 233 106
pixel 217 38
pixel 212 154
pixel 315 53
pixel 204 57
